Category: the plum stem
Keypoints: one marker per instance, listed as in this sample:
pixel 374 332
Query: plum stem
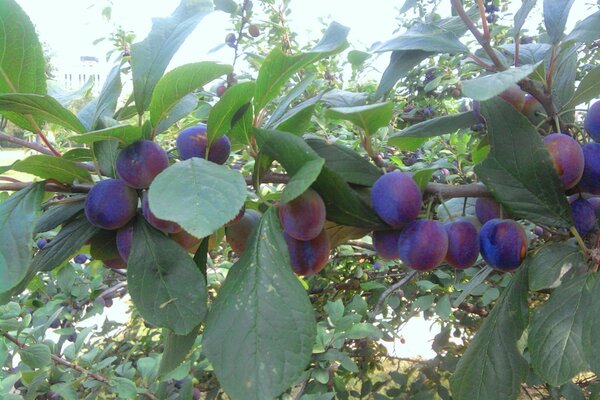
pixel 579 240
pixel 391 290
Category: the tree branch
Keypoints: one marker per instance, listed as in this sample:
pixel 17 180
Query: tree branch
pixel 391 290
pixel 25 143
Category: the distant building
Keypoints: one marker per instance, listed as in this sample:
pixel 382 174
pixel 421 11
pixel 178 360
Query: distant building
pixel 75 75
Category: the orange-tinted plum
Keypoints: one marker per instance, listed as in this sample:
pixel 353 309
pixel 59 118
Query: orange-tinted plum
pixel 140 162
pixel 160 224
pixel 423 244
pixel 584 216
pixel 487 208
pixel 514 96
pixel 386 244
pixel 115 263
pixel 567 157
pixel 124 241
pixel 238 233
pixel 591 123
pixel 503 243
pixel 192 142
pixel 396 198
pixel 590 180
pixel 463 243
pixel 110 204
pixel 308 257
pixel 304 217
pixel 186 240
pixel 237 217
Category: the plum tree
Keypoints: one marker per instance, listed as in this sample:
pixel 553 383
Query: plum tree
pixel 110 204
pixel 308 257
pixel 303 218
pixel 503 243
pixel 463 243
pixel 139 163
pixel 591 123
pixel 590 179
pixel 396 198
pixel 584 216
pixel 237 234
pixel 385 243
pixel 192 142
pixel 160 224
pixel 567 157
pixel 423 244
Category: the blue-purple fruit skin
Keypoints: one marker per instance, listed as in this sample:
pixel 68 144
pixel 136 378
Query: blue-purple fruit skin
pixel 584 216
pixel 423 244
pixel 41 243
pixel 591 123
pixel 192 142
pixel 595 202
pixel 237 234
pixel 487 208
pixel 304 217
pixel 386 244
pixel 503 244
pixel 308 257
pixel 590 180
pixel 396 198
pixel 463 243
pixel 80 258
pixel 140 162
pixel 160 224
pixel 567 157
pixel 124 241
pixel 110 204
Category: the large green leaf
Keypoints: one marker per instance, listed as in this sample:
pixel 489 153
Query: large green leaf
pixel 22 65
pixel 18 215
pixel 176 349
pixel 518 171
pixel 522 14
pixel 435 127
pixel 221 116
pixel 57 215
pixel 492 367
pixel 298 119
pixel 199 195
pixel 277 68
pixel 428 38
pixel 555 336
pixel 104 106
pixel 369 118
pixel 488 86
pixel 40 106
pixel 178 82
pixel 261 328
pixel 587 30
pixel 302 180
pixel 556 13
pixel 564 75
pixel 591 329
pixel 182 109
pixel 165 285
pixel 36 355
pixel 50 167
pixel 554 263
pixel 125 134
pixel 285 102
pixel 150 57
pixel 588 89
pixel 345 162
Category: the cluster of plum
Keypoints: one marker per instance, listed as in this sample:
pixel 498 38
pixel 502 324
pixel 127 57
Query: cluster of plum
pixel 424 244
pixel 112 204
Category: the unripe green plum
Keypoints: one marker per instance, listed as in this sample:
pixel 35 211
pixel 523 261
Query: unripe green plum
pixel 192 142
pixel 567 157
pixel 139 163
pixel 423 244
pixel 303 218
pixel 237 234
pixel 590 180
pixel 308 257
pixel 463 243
pixel 503 244
pixel 386 244
pixel 591 123
pixel 110 204
pixel 396 198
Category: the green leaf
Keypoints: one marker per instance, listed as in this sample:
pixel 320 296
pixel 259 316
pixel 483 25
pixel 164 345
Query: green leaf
pixel 344 98
pixel 488 86
pixel 521 15
pixel 150 57
pixel 285 102
pixel 228 6
pixel 302 180
pixel 67 97
pixel 36 355
pixel 176 349
pixel 78 154
pixel 369 118
pixel 423 37
pixel 260 330
pixel 42 106
pixel 208 195
pixel 164 283
pixel 492 368
pixel 591 328
pixel 401 63
pixel 357 58
pixel 588 89
pixel 124 387
pixel 565 73
pixel 18 215
pixel 180 110
pixel 556 13
pixel 435 127
pixel 51 167
pixel 277 68
pixel 125 134
pixel 105 104
pixel 105 153
pixel 22 65
pixel 221 116
pixel 298 119
pixel 364 330
pixel 180 81
pixel 422 178
pixel 345 162
pixel 553 264
pixel 586 31
pixel 57 215
pixel 555 334
pixel 518 171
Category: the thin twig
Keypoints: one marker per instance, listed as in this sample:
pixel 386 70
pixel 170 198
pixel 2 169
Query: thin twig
pixel 24 143
pixel 391 290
